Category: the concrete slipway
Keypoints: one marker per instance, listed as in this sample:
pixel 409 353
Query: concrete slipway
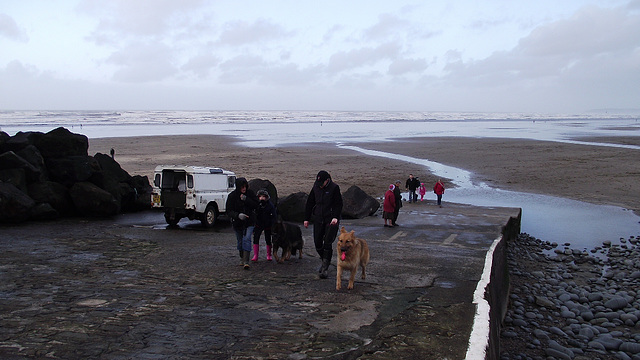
pixel 133 288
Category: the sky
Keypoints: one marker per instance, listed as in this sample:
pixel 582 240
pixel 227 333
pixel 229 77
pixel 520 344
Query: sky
pixel 543 56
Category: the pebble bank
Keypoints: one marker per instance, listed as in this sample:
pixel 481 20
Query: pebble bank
pixel 572 304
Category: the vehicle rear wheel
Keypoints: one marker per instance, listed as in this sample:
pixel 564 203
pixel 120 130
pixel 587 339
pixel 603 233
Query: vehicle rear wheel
pixel 210 216
pixel 172 221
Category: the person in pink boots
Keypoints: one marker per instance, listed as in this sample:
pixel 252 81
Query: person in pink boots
pixel 266 218
pixel 422 190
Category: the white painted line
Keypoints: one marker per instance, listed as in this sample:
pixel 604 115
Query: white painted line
pixel 397 235
pixel 450 239
pixel 479 339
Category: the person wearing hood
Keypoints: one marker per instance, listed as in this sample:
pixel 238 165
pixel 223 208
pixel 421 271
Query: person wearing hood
pixel 241 209
pixel 265 219
pixel 324 208
pixel 422 190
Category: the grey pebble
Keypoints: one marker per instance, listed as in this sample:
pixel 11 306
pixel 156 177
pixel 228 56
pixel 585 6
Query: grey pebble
pixel 630 347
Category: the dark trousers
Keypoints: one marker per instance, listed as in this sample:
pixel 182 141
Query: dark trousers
pixel 395 214
pixel 258 231
pixel 323 236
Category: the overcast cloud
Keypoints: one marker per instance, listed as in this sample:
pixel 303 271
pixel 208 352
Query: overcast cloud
pixel 548 56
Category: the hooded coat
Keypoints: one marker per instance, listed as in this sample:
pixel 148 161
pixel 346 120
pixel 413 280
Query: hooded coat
pixel 323 204
pixel 266 214
pixel 237 206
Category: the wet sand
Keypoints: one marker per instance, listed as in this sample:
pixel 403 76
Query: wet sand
pixel 595 174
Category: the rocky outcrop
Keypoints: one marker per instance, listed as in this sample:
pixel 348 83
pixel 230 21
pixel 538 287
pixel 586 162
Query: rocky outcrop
pixel 291 208
pixel 61 143
pixel 91 200
pixel 257 184
pixel 48 175
pixel 15 205
pixel 54 194
pixel 72 169
pixel 357 204
pixel 125 188
pixel 11 160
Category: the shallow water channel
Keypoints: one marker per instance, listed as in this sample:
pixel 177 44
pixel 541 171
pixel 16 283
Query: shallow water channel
pixel 548 218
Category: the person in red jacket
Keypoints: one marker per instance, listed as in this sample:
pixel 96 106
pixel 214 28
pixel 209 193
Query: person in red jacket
pixel 389 207
pixel 438 188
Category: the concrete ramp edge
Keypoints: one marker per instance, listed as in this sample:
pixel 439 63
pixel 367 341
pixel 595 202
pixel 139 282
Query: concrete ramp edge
pixel 480 332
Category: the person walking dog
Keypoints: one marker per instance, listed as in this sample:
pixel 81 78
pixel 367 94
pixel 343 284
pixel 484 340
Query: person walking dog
pixel 324 208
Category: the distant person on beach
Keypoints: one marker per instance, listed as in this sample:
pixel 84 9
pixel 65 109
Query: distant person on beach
pixel 422 190
pixel 412 184
pixel 324 208
pixel 438 188
pixel 266 217
pixel 113 153
pixel 389 206
pixel 398 195
pixel 241 209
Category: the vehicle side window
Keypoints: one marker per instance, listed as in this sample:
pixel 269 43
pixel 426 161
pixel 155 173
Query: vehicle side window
pixel 190 181
pixel 232 181
pixel 156 180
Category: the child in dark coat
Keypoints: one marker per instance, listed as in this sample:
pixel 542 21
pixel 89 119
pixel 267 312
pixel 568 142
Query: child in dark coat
pixel 266 218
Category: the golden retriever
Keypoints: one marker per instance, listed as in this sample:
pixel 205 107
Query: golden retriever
pixel 352 252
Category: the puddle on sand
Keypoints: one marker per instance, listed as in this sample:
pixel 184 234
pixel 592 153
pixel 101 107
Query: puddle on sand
pixel 445 284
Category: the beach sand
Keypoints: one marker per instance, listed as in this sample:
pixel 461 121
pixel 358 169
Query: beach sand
pixel 595 174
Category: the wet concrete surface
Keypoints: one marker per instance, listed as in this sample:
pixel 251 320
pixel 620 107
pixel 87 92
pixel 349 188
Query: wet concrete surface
pixel 133 288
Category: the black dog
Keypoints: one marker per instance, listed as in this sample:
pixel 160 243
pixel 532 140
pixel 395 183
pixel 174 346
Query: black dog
pixel 288 237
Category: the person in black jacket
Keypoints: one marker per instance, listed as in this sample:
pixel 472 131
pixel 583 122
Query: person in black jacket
pixel 266 218
pixel 412 184
pixel 241 209
pixel 324 207
pixel 398 195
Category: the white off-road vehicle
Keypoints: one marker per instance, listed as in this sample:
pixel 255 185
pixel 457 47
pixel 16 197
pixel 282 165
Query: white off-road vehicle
pixel 195 192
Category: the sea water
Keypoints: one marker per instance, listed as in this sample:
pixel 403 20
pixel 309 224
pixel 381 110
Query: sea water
pixel 546 217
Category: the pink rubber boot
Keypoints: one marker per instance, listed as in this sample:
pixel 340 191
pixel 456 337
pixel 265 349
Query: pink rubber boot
pixel 256 250
pixel 269 253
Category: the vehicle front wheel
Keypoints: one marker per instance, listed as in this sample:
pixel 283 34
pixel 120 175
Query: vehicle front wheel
pixel 210 216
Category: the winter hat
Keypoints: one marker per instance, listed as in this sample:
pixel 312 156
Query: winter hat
pixel 322 177
pixel 391 187
pixel 263 192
